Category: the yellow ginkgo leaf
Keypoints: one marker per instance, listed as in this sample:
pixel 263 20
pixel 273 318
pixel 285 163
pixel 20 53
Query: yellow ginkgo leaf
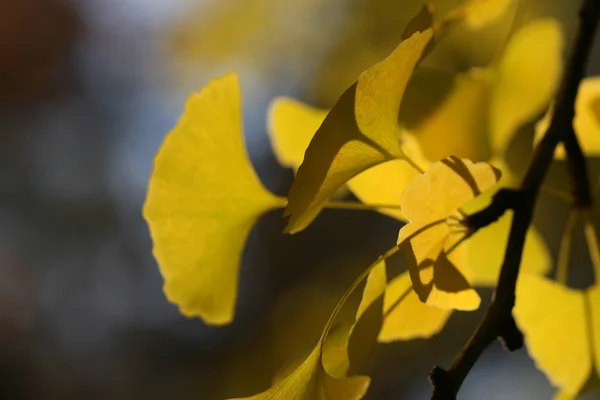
pixel 311 380
pixel 486 249
pixel 405 316
pixel 594 330
pixel 480 13
pixel 431 202
pixel 360 131
pixel 368 321
pixel 445 187
pixel 384 183
pixel 486 107
pixel 554 321
pixel 203 199
pixel 459 125
pixel 526 78
pixel 586 122
pixel 291 126
pixel 562 395
pixel 336 360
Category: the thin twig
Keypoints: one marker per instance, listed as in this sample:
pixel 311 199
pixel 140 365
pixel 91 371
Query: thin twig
pixel 498 321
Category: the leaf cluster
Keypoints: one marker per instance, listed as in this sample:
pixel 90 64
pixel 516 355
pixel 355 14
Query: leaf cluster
pixel 440 167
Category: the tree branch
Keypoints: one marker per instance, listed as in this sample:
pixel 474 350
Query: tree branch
pixel 498 321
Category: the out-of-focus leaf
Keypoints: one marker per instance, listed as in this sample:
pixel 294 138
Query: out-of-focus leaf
pixel 561 395
pixel 593 299
pixel 594 304
pixel 369 319
pixel 554 321
pixel 360 131
pixel 203 199
pixel 405 316
pixel 311 380
pixel 384 183
pixel 486 251
pixel 526 78
pixel 459 126
pixel 425 92
pixel 336 359
pixel 431 202
pixel 485 248
pixel 292 125
pixel 479 13
pixel 481 114
pixel 586 122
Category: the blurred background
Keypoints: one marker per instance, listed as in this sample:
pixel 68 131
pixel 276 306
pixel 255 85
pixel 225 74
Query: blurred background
pixel 88 89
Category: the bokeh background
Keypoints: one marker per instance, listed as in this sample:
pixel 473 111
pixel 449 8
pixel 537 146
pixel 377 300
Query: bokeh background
pixel 88 89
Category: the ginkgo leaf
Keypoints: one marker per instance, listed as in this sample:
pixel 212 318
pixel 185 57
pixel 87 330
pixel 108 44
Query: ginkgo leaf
pixel 526 78
pixel 445 187
pixel 486 249
pixel 384 183
pixel 311 381
pixel 369 319
pixel 336 360
pixel 485 107
pixel 360 131
pixel 479 13
pixel 586 122
pixel 554 321
pixel 426 90
pixel 592 237
pixel 561 395
pixel 405 316
pixel 594 304
pixel 291 126
pixel 203 199
pixel 435 259
pixel 461 116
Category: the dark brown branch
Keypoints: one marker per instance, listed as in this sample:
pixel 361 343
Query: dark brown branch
pixel 498 321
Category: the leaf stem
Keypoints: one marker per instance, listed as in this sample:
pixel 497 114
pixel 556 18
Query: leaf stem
pixel 398 301
pixel 355 205
pixel 557 193
pixel 413 164
pixel 591 237
pixel 564 253
pixel 389 252
pixel 498 321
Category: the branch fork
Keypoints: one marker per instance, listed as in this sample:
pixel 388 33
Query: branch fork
pixel 498 322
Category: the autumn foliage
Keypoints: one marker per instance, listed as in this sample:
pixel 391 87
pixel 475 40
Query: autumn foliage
pixel 432 174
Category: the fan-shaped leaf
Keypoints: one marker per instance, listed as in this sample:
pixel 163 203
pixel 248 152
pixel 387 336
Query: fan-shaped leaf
pixel 586 122
pixel 360 131
pixel 486 251
pixel 405 316
pixel 203 199
pixel 480 13
pixel 311 380
pixel 554 321
pixel 436 261
pixel 292 125
pixel 526 78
